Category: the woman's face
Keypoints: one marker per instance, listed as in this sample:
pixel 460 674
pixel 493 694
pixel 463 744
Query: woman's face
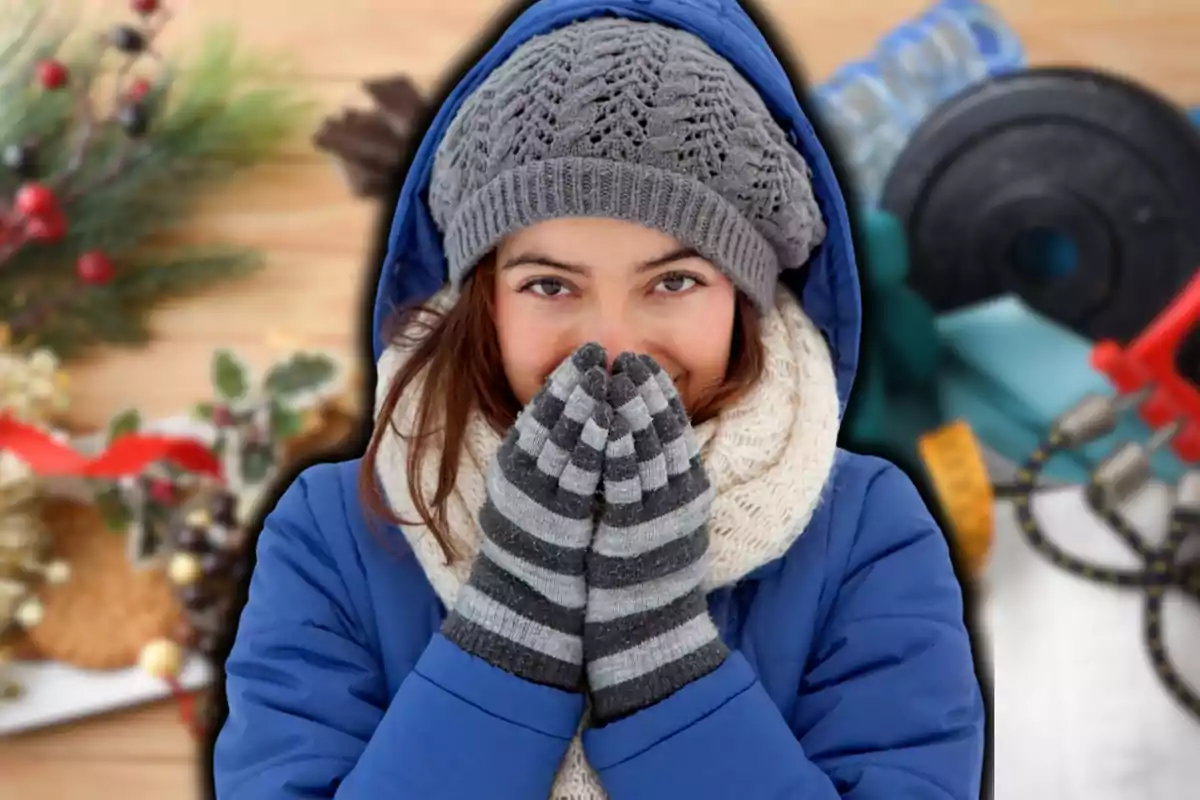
pixel 565 282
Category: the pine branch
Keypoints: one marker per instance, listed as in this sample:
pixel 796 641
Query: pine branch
pixel 68 317
pixel 120 192
pixel 213 128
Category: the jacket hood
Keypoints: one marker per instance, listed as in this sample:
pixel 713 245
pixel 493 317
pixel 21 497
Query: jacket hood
pixel 414 266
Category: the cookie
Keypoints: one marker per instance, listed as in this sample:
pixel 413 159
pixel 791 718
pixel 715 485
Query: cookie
pixel 108 610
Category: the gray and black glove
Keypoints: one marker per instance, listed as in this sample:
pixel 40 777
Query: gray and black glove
pixel 648 630
pixel 522 609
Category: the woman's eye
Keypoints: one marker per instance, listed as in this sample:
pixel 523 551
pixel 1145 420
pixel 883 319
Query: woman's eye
pixel 547 287
pixel 675 284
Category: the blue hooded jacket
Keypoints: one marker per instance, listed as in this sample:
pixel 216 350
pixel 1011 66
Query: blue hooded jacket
pixel 851 672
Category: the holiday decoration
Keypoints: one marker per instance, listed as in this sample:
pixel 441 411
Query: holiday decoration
pixel 25 559
pixel 370 145
pixel 32 389
pixel 162 658
pixel 44 538
pixel 208 562
pixel 252 421
pixel 105 144
pixel 33 386
pixel 153 535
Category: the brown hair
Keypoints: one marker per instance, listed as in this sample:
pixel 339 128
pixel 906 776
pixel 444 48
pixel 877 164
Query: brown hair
pixel 458 355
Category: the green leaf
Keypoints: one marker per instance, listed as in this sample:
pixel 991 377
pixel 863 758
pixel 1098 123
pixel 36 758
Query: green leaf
pixel 229 376
pixel 116 515
pixel 285 422
pixel 303 372
pixel 257 462
pixel 126 422
pixel 203 411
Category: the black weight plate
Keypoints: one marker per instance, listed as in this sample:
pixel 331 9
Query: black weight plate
pixel 1077 190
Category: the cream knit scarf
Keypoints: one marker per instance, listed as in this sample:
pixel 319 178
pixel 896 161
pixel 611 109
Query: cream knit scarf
pixel 768 458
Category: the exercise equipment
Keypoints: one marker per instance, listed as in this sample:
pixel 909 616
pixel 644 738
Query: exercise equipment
pixel 1161 370
pixel 1153 376
pixel 870 105
pixel 1113 482
pixel 1075 190
pixel 954 462
pixel 895 393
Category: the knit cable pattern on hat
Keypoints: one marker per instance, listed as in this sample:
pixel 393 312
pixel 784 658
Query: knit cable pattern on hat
pixel 632 120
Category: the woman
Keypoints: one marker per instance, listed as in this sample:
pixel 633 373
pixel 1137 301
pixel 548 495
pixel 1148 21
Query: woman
pixel 628 559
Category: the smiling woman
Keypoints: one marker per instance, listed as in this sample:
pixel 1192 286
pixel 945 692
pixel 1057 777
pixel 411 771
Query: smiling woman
pixel 625 226
pixel 545 289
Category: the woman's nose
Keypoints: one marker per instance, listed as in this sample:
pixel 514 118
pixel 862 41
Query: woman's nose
pixel 616 333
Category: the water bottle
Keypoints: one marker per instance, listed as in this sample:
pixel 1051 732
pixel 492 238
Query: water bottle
pixel 870 107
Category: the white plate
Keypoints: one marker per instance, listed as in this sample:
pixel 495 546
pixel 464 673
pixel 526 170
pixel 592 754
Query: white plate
pixel 55 693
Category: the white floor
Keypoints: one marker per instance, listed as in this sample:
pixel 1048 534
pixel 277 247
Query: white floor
pixel 1079 714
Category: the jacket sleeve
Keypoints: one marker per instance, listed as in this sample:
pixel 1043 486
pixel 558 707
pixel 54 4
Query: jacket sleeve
pixel 309 709
pixel 890 705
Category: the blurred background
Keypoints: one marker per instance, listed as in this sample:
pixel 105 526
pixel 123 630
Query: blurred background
pixel 192 195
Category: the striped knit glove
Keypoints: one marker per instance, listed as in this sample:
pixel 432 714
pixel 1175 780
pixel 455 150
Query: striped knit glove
pixel 522 609
pixel 648 630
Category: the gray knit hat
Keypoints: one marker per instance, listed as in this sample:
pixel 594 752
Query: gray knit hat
pixel 633 120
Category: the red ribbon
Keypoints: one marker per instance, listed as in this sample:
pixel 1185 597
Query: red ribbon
pixel 127 455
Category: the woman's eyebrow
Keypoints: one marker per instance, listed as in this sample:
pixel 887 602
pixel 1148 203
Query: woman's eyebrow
pixel 678 254
pixel 545 261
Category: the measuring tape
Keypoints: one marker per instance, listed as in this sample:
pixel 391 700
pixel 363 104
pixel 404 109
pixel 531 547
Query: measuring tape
pixel 954 462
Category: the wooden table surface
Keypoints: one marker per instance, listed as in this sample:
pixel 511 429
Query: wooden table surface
pixel 316 236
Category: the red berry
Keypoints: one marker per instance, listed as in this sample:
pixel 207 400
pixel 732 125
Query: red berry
pixel 144 6
pixel 162 491
pixel 35 200
pixel 51 74
pixel 48 227
pixel 222 416
pixel 138 89
pixel 94 268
